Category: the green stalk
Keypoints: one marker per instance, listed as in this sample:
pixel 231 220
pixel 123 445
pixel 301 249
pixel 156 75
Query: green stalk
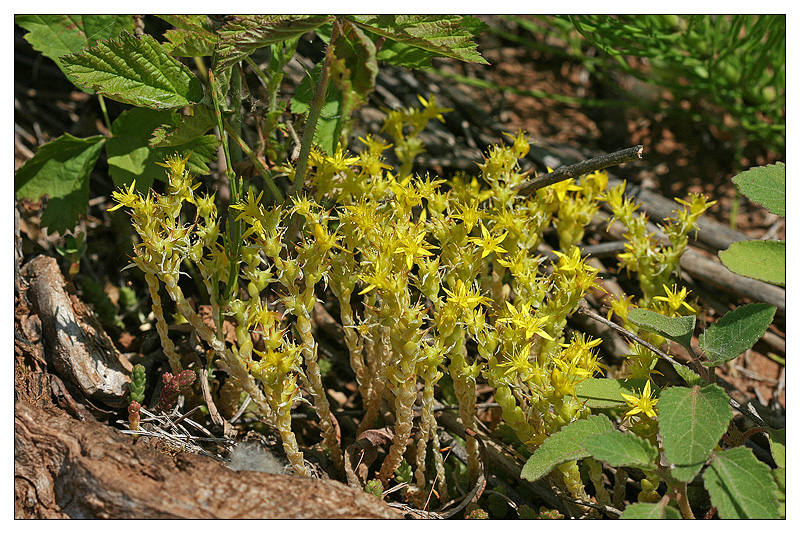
pixel 234 227
pixel 313 115
pixel 102 102
pixel 263 171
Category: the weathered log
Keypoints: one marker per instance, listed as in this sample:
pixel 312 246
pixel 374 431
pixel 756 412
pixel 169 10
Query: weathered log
pixel 78 347
pixel 65 468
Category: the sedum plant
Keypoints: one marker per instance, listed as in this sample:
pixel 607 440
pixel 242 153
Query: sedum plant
pixel 421 267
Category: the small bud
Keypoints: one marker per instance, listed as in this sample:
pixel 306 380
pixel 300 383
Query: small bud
pixel 133 415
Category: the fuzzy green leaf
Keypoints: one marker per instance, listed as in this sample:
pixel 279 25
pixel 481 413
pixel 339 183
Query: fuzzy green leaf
pixel 735 332
pixel 777 446
pixel 760 260
pixel 691 378
pixel 691 422
pixel 444 35
pixel 565 445
pixel 243 35
pixel 135 70
pixel 57 35
pixel 740 486
pixel 604 393
pixel 779 476
pixel 60 169
pixel 765 185
pixel 678 329
pixel 621 449
pixel 659 510
pixel 131 156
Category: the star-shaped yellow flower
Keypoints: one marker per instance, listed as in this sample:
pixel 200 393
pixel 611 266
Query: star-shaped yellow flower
pixel 644 403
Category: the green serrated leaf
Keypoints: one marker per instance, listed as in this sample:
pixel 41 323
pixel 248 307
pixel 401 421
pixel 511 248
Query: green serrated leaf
pixel 353 67
pixel 135 70
pixel 735 332
pixel 604 393
pixel 189 128
pixel 57 35
pixel 621 449
pixel 131 157
pixel 60 169
pixel 740 486
pixel 659 510
pixel 765 185
pixel 678 329
pixel 243 35
pixel 691 422
pixel 565 445
pixel 760 260
pixel 403 55
pixel 190 43
pixel 444 35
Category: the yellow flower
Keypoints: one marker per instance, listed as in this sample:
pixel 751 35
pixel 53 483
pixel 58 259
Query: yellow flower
pixel 569 262
pixel 523 319
pixel 488 242
pixel 125 198
pixel 562 188
pixel 644 403
pixel 675 299
pixel 519 363
pixel 464 298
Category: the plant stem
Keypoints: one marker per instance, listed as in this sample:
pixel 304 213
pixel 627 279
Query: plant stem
pixel 583 310
pixel 102 103
pixel 263 171
pixel 314 111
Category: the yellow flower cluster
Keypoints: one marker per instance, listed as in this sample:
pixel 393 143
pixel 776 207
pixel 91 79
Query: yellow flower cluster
pixel 420 268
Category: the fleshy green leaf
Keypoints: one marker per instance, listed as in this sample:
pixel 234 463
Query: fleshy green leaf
pixel 57 35
pixel 621 449
pixel 760 260
pixel 659 510
pixel 243 35
pixel 740 486
pixel 735 332
pixel 565 445
pixel 765 185
pixel 678 329
pixel 135 70
pixel 691 422
pixel 603 393
pixel 444 35
pixel 131 157
pixel 60 169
